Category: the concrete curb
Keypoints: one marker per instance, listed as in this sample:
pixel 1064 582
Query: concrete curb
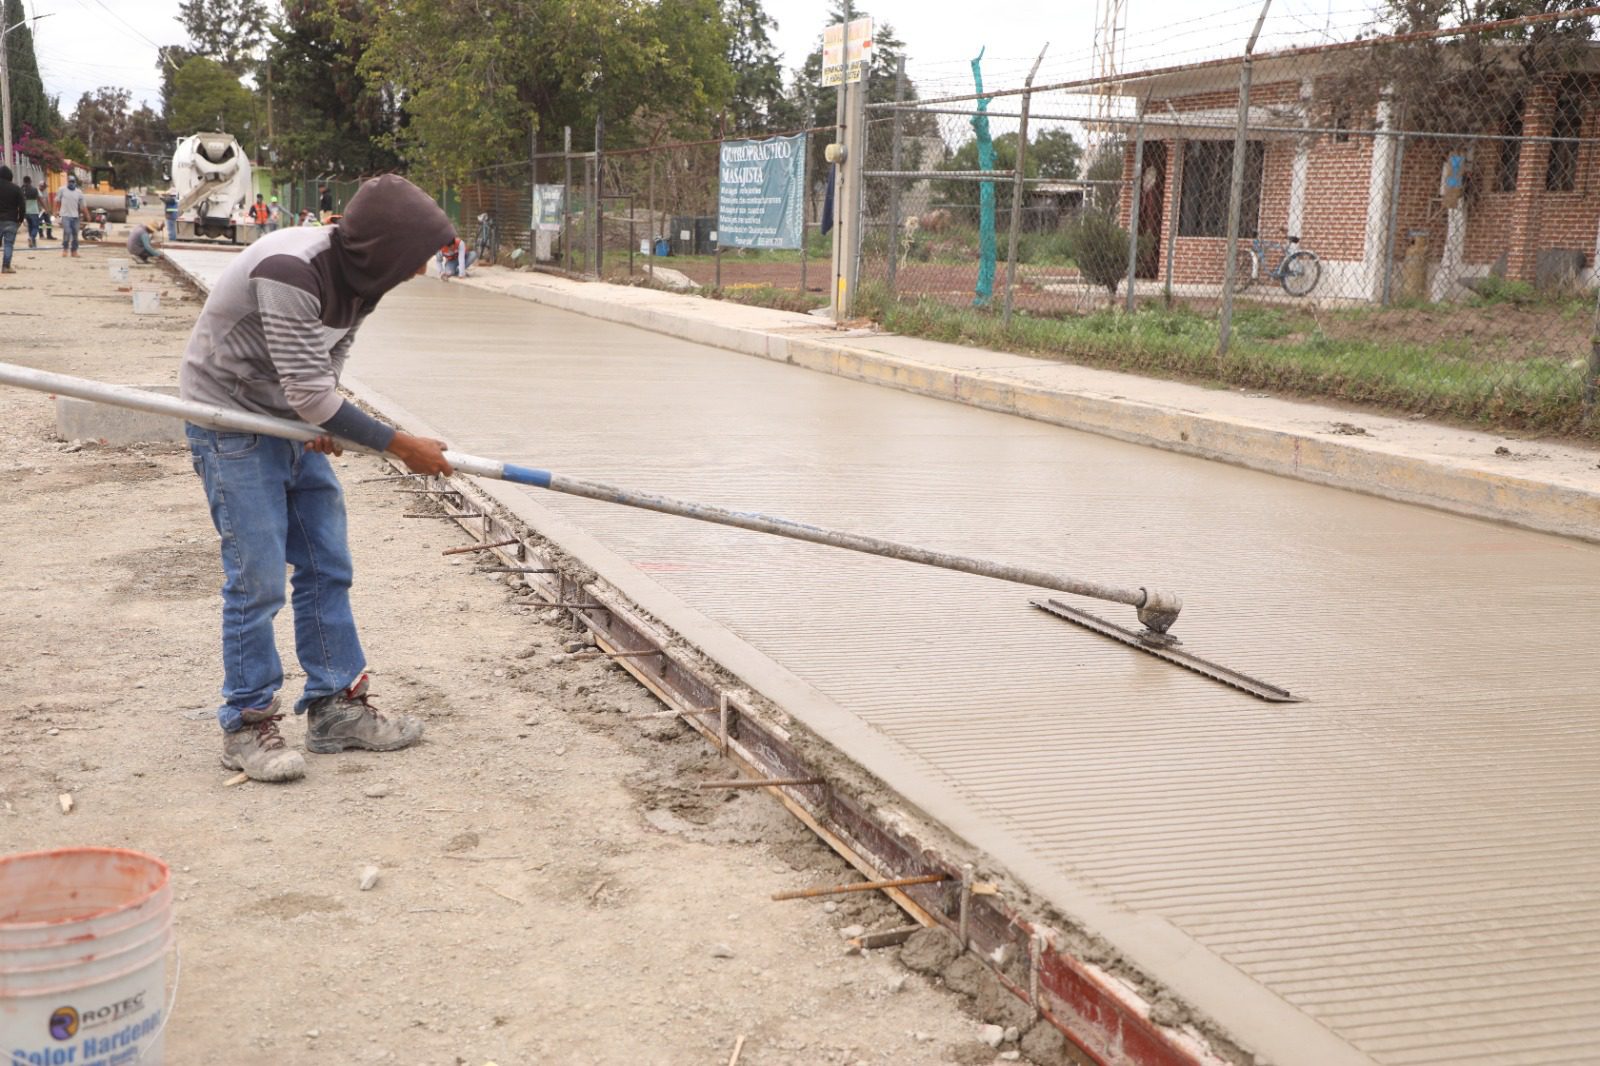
pixel 1561 497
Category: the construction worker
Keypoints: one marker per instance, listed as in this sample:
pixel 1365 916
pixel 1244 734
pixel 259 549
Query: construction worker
pixel 13 214
pixel 272 339
pixel 259 213
pixel 139 245
pixel 32 205
pixel 71 206
pixel 274 215
pixel 169 205
pixel 455 259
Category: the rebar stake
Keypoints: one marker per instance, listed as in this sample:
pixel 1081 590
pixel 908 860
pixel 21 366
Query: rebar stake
pixel 480 547
pixel 966 904
pixel 861 886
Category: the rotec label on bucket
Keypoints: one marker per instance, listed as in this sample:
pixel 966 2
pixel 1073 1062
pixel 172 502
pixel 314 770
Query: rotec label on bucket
pixel 83 938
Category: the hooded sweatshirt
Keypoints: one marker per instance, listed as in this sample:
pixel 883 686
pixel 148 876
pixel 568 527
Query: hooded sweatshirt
pixel 279 321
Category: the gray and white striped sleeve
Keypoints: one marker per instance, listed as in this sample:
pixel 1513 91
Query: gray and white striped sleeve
pixel 292 322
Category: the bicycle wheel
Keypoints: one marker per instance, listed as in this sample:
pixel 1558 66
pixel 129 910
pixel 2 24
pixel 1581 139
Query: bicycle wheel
pixel 1244 268
pixel 1300 273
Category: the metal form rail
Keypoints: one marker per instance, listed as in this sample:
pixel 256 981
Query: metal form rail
pixel 1098 1012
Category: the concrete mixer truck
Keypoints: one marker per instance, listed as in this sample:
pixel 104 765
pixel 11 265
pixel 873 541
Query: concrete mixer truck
pixel 211 175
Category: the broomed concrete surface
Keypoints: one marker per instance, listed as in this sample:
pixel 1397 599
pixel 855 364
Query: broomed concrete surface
pixel 1544 486
pixel 1401 870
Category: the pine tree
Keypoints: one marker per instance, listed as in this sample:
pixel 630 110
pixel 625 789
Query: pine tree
pixel 758 101
pixel 32 110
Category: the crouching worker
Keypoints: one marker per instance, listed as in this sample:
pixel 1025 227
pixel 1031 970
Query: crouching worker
pixel 139 245
pixel 272 339
pixel 455 259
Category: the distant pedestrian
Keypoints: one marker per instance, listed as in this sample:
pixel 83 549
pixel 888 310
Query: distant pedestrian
pixel 11 217
pixel 31 201
pixel 47 221
pixel 325 203
pixel 259 214
pixel 139 245
pixel 169 205
pixel 274 216
pixel 455 259
pixel 71 206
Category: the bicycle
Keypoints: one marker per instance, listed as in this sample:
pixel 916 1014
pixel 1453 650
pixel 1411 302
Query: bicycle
pixel 488 239
pixel 1298 270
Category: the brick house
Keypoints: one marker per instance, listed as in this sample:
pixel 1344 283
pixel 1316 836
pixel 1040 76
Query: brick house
pixel 1531 178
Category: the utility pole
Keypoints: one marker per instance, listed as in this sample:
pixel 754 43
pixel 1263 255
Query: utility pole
pixel 848 155
pixel 5 86
pixel 5 92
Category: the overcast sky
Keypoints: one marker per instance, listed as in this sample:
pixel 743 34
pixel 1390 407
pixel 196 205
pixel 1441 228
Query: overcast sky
pixel 89 43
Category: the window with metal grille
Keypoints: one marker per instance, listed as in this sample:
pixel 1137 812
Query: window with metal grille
pixel 1207 175
pixel 1566 126
pixel 1505 175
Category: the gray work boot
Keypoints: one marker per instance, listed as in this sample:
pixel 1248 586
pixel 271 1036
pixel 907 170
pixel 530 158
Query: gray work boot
pixel 257 747
pixel 345 720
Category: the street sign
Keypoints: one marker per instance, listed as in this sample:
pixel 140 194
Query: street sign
pixel 846 51
pixel 761 202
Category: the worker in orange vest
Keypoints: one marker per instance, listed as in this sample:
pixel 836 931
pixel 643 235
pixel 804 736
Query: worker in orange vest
pixel 259 212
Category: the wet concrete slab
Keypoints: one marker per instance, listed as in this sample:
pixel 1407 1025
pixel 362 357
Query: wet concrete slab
pixel 1400 870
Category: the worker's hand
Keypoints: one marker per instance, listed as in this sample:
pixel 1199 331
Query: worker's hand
pixel 325 445
pixel 422 455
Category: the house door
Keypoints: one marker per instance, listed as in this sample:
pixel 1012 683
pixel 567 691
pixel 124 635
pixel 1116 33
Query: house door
pixel 1152 194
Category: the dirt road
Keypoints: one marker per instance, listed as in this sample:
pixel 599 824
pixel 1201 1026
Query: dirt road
pixel 552 888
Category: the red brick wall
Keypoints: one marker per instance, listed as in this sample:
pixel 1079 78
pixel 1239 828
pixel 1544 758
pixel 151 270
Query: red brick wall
pixel 1334 221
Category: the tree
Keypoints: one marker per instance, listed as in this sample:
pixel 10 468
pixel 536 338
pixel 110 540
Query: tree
pixel 137 142
pixel 1473 83
pixel 1106 170
pixel 100 120
pixel 815 103
pixel 1054 155
pixel 758 101
pixel 207 96
pixel 1099 247
pixel 46 153
pixel 1058 155
pixel 470 76
pixel 147 154
pixel 32 110
pixel 329 117
pixel 170 58
pixel 228 31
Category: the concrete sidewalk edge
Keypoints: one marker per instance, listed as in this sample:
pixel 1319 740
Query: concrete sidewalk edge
pixel 1357 464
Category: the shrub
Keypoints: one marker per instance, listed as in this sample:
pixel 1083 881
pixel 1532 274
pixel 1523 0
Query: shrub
pixel 1100 248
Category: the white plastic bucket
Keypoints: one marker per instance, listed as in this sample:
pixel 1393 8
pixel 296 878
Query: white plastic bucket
pixel 146 301
pixel 118 269
pixel 83 938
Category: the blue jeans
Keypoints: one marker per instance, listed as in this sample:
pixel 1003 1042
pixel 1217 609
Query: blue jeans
pixel 172 227
pixel 33 231
pixel 69 233
pixel 8 241
pixel 274 503
pixel 449 269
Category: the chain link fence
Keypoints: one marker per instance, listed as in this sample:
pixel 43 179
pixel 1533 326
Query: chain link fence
pixel 1410 221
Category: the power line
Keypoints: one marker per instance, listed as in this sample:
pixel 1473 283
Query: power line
pixel 136 31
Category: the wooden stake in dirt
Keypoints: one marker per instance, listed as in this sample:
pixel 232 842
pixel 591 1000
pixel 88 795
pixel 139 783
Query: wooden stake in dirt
pixel 479 547
pixel 861 886
pixel 768 782
pixel 738 1046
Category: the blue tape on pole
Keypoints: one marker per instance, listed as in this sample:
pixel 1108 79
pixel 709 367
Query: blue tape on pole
pixel 527 475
